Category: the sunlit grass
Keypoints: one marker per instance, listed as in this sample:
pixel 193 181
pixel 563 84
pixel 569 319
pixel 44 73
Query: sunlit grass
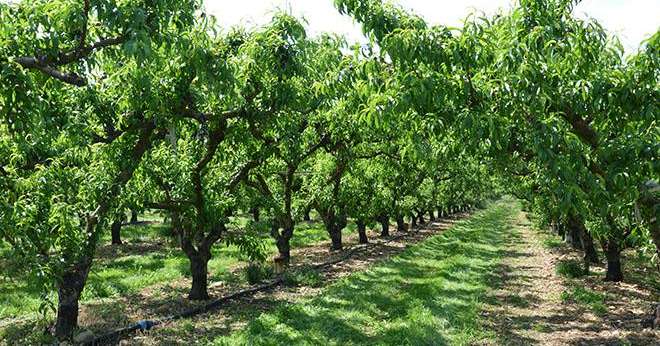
pixel 131 271
pixel 429 295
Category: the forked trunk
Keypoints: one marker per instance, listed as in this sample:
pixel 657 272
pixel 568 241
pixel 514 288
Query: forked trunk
pixel 68 294
pixel 362 231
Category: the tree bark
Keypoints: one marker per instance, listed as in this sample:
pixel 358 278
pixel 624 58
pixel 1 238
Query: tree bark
pixel 199 271
pixel 413 221
pixel 68 293
pixel 362 231
pixel 134 216
pixel 431 216
pixel 115 230
pixel 400 224
pixel 573 236
pixel 590 254
pixel 420 216
pixel 613 254
pixel 335 236
pixel 384 221
pixel 284 245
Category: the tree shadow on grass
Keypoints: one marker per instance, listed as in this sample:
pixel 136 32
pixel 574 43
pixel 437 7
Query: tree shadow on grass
pixel 430 294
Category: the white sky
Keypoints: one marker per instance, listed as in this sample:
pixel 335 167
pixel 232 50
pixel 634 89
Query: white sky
pixel 632 20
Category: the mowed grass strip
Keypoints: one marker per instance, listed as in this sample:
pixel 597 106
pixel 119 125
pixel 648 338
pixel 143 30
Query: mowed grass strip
pixel 431 294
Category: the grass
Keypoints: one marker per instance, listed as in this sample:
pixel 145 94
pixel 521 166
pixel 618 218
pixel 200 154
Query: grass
pixel 147 258
pixel 303 277
pixel 586 297
pixel 431 294
pixel 552 242
pixel 570 269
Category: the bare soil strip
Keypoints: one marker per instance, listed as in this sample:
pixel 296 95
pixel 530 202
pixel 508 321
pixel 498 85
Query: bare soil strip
pixel 526 306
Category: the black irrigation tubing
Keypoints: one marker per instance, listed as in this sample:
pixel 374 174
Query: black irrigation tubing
pixel 144 325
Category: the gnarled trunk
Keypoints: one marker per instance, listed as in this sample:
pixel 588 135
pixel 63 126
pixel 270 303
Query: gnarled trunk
pixel 68 294
pixel 115 230
pixel 362 231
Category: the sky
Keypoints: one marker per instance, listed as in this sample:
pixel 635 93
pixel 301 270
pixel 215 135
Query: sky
pixel 632 20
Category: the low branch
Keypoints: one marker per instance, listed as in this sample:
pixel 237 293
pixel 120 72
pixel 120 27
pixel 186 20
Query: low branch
pixel 47 65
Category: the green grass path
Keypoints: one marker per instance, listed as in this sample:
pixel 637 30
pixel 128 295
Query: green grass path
pixel 431 294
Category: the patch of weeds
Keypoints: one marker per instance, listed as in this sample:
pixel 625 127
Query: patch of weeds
pixel 570 269
pixel 586 297
pixel 188 327
pixel 256 272
pixel 540 327
pixel 304 277
pixel 552 243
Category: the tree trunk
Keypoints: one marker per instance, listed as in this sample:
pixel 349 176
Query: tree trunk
pixel 199 271
pixel 573 236
pixel 400 224
pixel 385 225
pixel 613 254
pixel 431 216
pixel 115 230
pixel 587 242
pixel 413 221
pixel 306 216
pixel 68 294
pixel 335 236
pixel 420 216
pixel 362 231
pixel 134 216
pixel 284 246
pixel 558 229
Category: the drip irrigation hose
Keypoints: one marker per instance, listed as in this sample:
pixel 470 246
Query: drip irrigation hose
pixel 145 325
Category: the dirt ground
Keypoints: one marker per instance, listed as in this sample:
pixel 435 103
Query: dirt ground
pixel 527 307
